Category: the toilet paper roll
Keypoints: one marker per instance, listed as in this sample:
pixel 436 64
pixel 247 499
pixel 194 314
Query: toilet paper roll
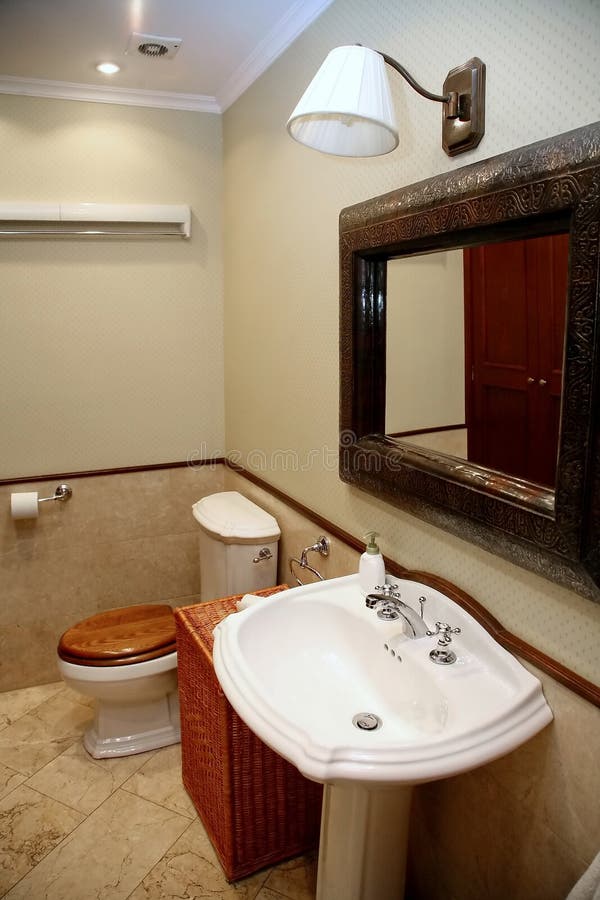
pixel 24 505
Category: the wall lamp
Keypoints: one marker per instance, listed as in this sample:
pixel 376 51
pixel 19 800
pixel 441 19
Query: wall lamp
pixel 347 108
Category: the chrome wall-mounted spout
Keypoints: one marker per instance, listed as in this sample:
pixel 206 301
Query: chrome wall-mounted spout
pixel 321 546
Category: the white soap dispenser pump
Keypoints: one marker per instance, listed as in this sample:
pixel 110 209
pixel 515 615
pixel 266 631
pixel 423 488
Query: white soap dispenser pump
pixel 371 568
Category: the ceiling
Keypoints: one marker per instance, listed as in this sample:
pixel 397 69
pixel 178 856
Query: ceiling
pixel 52 47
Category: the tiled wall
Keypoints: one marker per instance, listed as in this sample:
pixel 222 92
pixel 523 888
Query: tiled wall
pixel 525 826
pixel 121 539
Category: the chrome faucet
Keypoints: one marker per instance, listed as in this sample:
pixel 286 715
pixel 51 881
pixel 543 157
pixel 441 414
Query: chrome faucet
pixel 385 599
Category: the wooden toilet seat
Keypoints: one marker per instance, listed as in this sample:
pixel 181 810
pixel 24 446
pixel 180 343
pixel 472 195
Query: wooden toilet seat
pixel 120 637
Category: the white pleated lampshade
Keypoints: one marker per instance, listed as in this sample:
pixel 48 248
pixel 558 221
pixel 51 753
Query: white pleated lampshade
pixel 347 108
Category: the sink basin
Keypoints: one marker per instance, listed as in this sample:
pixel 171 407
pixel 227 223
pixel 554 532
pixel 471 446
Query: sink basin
pixel 307 667
pixel 299 666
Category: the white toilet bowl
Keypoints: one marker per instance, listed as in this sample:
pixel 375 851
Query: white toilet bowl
pixel 137 705
pixel 126 660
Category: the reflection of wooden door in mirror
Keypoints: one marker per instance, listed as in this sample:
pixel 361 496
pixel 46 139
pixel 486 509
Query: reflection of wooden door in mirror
pixel 515 299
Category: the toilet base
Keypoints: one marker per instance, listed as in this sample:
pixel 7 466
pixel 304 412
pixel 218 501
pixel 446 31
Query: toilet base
pixel 122 729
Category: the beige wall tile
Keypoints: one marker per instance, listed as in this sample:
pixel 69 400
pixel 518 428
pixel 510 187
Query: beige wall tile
pixel 121 539
pixel 30 826
pixel 297 532
pixel 555 776
pixel 485 844
pixel 107 855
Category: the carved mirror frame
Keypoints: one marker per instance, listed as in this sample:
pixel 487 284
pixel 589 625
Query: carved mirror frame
pixel 553 185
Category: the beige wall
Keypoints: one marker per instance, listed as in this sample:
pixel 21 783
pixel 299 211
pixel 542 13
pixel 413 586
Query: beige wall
pixel 425 353
pixel 282 204
pixel 111 351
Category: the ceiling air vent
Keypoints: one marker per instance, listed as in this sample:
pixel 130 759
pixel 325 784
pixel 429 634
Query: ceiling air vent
pixel 153 45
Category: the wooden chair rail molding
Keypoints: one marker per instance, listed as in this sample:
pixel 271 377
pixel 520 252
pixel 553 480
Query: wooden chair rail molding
pixel 516 645
pixel 574 682
pixel 122 470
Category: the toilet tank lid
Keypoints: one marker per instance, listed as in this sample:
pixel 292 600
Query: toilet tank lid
pixel 230 516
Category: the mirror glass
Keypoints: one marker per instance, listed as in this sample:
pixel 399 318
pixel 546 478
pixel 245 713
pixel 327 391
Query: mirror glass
pixel 515 234
pixel 474 353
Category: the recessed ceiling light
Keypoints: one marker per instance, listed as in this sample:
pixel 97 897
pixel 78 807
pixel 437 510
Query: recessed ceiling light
pixel 108 68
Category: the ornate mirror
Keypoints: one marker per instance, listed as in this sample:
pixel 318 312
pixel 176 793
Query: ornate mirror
pixel 469 353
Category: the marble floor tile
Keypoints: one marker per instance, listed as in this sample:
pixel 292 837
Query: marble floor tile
pixel 9 779
pixel 43 734
pixel 266 893
pixel 295 879
pixel 80 781
pixel 76 697
pixel 14 704
pixel 191 870
pixel 159 780
pixel 30 826
pixel 108 855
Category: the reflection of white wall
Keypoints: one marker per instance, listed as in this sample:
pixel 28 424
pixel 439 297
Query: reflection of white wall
pixel 425 372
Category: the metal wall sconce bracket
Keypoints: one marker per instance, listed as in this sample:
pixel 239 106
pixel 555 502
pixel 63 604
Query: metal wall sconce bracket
pixel 464 132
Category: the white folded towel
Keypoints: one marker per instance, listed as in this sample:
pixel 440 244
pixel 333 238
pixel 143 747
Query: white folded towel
pixel 247 601
pixel 588 886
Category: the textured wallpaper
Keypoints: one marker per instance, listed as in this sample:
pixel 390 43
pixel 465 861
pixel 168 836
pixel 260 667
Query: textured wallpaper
pixel 281 257
pixel 111 351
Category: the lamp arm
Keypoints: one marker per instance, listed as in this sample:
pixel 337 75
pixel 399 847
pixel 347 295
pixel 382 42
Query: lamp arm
pixel 451 98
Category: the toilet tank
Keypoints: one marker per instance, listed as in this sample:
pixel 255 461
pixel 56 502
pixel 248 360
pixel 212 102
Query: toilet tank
pixel 238 545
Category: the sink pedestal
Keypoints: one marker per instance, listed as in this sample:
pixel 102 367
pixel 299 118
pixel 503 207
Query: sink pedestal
pixel 364 831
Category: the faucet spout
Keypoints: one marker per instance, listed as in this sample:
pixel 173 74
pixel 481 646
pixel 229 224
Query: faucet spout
pixel 389 606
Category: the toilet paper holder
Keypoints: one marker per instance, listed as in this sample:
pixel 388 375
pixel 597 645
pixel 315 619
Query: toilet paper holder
pixel 62 492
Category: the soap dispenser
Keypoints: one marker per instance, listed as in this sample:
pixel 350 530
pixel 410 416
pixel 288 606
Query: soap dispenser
pixel 371 568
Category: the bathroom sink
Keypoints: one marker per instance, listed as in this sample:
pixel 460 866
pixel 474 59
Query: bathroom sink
pixel 305 669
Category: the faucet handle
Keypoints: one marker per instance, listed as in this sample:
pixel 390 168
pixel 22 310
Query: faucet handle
pixel 387 590
pixel 445 631
pixel 443 656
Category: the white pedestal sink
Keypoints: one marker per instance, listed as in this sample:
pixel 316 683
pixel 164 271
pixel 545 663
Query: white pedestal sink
pixel 306 668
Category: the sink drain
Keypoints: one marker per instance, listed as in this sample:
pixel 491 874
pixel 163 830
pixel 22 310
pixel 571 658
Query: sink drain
pixel 367 721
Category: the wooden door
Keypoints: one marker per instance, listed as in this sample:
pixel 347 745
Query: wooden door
pixel 515 295
pixel 552 263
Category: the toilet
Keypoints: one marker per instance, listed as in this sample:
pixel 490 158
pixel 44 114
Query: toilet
pixel 126 659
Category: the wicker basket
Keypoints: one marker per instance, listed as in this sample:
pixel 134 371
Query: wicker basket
pixel 257 808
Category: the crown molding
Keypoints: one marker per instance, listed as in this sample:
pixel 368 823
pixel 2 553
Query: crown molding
pixel 65 90
pixel 290 26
